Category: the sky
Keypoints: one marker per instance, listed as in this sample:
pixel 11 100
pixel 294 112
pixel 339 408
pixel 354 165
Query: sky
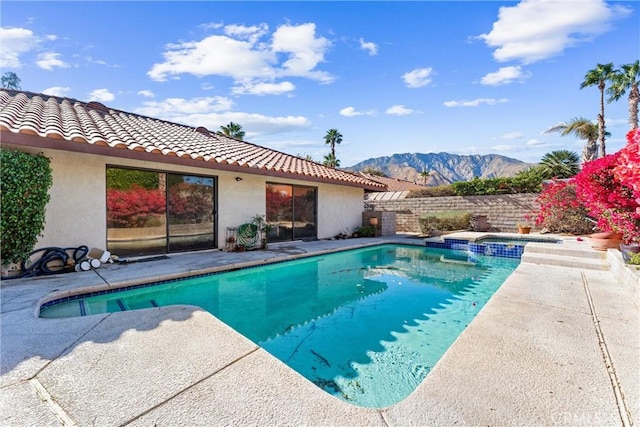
pixel 462 77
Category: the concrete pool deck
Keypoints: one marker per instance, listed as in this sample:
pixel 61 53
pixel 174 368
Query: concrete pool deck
pixel 554 346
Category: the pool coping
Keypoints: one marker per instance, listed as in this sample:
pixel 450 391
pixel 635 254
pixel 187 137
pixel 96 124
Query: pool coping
pixel 442 398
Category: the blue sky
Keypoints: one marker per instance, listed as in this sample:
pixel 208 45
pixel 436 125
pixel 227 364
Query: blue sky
pixel 464 77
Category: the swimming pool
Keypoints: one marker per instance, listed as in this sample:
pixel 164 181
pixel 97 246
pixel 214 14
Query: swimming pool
pixel 365 325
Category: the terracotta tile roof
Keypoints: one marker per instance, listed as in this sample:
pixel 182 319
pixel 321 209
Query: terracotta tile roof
pixel 393 184
pixel 69 121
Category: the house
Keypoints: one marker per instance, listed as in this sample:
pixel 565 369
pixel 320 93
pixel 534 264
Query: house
pixel 136 185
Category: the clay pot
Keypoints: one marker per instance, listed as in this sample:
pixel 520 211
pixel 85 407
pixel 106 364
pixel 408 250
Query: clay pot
pixel 524 229
pixel 601 244
pixel 606 235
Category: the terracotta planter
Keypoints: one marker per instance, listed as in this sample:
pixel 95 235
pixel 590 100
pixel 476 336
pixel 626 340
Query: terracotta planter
pixel 601 244
pixel 606 235
pixel 524 229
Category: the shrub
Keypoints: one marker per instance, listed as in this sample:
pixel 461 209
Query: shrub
pixel 561 211
pixel 444 221
pixel 607 198
pixel 365 231
pixel 439 191
pixel 525 182
pixel 25 180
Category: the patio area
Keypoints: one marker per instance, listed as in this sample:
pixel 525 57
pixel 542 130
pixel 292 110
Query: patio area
pixel 555 345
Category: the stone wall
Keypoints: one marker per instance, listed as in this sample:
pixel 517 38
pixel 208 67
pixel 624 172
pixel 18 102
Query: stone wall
pixel 503 212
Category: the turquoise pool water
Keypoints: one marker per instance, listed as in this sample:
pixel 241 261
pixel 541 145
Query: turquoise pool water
pixel 365 325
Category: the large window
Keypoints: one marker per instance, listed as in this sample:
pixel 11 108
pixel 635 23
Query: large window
pixel 155 212
pixel 292 210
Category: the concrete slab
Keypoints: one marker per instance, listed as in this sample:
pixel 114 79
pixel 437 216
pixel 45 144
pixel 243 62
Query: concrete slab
pixel 135 360
pixel 28 343
pixel 265 392
pixel 22 406
pixel 542 366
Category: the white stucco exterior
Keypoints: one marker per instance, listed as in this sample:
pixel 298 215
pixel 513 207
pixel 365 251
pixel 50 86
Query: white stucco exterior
pixel 76 213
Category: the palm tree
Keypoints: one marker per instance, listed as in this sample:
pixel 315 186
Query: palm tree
pixel 559 164
pixel 332 138
pixel 424 174
pixel 598 77
pixel 234 130
pixel 624 79
pixel 330 160
pixel 583 129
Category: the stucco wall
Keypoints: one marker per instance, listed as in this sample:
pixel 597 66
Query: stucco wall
pixel 76 213
pixel 503 211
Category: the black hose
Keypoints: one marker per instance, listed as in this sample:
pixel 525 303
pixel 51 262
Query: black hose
pixel 43 267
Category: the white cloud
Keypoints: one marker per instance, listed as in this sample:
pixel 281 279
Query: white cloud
pixel 533 30
pixel 536 143
pixel 370 47
pixel 61 91
pixel 213 112
pixel 50 60
pixel 251 34
pixel 503 147
pixel 351 112
pixel 146 93
pixel 263 88
pixel 304 49
pixel 101 95
pixel 512 135
pixel 475 102
pixel 15 42
pixel 399 110
pixel 505 75
pixel 177 107
pixel 418 78
pixel 294 51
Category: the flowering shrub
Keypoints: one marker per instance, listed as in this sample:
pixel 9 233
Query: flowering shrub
pixel 628 169
pixel 133 207
pixel 560 209
pixel 609 187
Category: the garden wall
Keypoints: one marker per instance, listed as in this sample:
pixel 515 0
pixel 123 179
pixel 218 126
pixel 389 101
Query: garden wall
pixel 502 211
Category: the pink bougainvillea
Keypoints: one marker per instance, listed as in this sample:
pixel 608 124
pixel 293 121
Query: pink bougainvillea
pixel 609 187
pixel 627 171
pixel 606 189
pixel 560 210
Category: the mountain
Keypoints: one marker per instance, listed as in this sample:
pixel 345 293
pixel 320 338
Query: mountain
pixel 443 168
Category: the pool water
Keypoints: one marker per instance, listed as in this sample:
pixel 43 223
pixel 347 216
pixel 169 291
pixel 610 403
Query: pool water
pixel 365 325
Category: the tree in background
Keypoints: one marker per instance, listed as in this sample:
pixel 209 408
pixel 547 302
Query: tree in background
pixel 598 77
pixel 330 160
pixel 623 80
pixel 332 138
pixel 10 80
pixel 559 164
pixel 425 175
pixel 584 129
pixel 234 130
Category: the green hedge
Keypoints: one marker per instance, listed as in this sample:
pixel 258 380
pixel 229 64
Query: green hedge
pixel 25 180
pixel 444 221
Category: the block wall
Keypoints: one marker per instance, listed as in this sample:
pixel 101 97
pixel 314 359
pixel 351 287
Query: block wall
pixel 503 212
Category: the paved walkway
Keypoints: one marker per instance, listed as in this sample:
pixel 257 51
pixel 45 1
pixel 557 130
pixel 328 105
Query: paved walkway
pixel 554 346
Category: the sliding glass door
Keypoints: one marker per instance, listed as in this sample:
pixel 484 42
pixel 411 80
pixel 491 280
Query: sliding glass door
pixel 292 211
pixel 190 207
pixel 156 212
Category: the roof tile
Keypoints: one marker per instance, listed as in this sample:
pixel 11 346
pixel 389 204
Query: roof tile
pixel 64 119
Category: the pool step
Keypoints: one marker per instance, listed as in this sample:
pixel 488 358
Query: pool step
pixel 568 254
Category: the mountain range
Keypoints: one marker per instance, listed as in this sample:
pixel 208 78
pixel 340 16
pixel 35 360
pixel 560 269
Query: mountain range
pixel 443 168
